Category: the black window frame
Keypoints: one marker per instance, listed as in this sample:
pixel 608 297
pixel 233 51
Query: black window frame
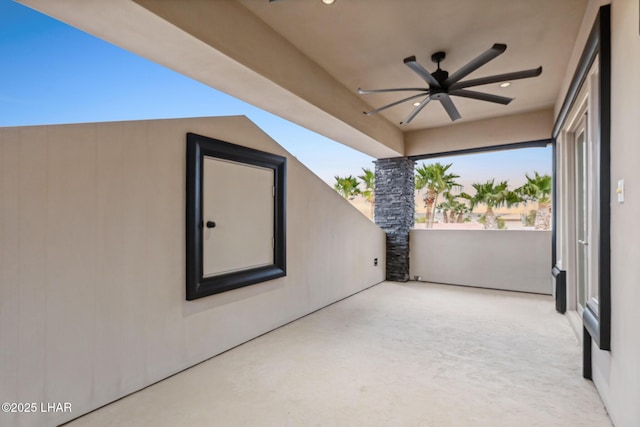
pixel 596 321
pixel 198 286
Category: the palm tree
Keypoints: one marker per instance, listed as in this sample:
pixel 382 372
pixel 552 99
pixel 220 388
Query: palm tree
pixel 368 180
pixel 538 189
pixel 452 210
pixel 436 180
pixel 460 210
pixel 444 208
pixel 493 196
pixel 347 187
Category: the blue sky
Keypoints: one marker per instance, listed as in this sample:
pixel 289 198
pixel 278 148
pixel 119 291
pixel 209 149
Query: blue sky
pixel 52 73
pixel 510 165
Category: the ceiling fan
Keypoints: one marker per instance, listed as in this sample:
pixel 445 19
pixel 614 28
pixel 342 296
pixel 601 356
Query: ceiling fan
pixel 443 86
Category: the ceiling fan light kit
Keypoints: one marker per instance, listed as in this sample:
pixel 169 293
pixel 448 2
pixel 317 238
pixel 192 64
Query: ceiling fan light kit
pixel 442 86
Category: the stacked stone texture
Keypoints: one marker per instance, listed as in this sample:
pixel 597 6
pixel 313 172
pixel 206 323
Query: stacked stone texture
pixel 395 211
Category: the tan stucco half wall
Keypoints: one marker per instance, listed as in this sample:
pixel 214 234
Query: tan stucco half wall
pixel 513 260
pixel 92 261
pixel 532 126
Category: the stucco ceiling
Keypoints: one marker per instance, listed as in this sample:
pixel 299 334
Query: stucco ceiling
pixel 304 61
pixel 362 43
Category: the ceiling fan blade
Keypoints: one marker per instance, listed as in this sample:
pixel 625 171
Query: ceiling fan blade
pixel 481 96
pixel 525 74
pixel 400 89
pixel 496 50
pixel 416 111
pixel 451 109
pixel 393 104
pixel 421 71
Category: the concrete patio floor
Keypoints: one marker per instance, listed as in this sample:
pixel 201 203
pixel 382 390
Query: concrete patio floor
pixel 397 354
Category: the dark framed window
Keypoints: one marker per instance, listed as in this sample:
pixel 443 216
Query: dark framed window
pixel 235 216
pixel 597 320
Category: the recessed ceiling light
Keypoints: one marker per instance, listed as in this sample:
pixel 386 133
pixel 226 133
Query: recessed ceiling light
pixel 505 84
pixel 415 104
pixel 328 1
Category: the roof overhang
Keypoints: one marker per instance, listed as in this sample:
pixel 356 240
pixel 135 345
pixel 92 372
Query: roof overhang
pixel 272 56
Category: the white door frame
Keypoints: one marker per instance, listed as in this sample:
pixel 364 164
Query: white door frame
pixel 582 116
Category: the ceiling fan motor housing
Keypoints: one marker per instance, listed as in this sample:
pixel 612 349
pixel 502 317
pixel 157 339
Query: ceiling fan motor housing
pixel 440 76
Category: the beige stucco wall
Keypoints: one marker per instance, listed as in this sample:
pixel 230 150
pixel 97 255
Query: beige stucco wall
pixel 92 256
pixel 514 260
pixel 524 127
pixel 617 373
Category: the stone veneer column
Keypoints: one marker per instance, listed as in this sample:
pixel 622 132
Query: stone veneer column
pixel 395 210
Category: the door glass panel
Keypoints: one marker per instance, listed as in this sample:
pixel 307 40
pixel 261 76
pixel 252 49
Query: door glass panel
pixel 581 218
